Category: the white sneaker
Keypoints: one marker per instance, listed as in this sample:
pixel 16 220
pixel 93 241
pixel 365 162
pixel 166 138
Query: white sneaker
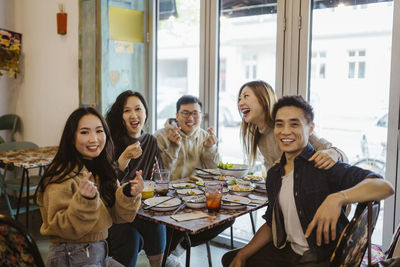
pixel 179 250
pixel 173 261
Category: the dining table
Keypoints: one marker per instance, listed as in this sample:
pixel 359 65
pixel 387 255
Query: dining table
pixel 202 220
pixel 27 159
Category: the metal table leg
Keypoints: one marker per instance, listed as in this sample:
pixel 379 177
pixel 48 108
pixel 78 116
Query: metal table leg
pixel 252 223
pixel 186 236
pixel 167 249
pixel 21 189
pixel 209 254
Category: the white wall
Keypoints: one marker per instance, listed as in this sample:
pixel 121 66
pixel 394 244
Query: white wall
pixel 46 90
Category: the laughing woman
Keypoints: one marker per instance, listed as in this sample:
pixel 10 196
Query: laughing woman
pixel 255 102
pixel 135 150
pixel 80 197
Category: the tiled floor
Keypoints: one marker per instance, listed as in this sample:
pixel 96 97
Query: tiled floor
pixel 198 254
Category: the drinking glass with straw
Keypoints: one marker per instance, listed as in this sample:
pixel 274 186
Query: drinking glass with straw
pixel 161 179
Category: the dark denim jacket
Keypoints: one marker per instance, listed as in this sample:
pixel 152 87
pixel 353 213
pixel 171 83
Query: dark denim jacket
pixel 311 187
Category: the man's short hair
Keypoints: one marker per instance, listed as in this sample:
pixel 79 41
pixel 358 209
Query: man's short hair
pixel 296 101
pixel 187 99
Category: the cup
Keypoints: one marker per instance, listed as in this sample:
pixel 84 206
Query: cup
pixel 148 190
pixel 161 178
pixel 213 192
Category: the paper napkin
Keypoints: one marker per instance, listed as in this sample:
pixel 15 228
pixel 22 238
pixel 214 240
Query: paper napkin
pixel 189 216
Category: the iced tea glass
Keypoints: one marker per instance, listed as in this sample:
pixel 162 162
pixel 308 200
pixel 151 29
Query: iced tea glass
pixel 213 192
pixel 161 177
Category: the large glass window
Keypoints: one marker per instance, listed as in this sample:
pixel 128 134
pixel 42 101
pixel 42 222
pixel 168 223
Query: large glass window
pixel 247 51
pixel 351 100
pixel 177 55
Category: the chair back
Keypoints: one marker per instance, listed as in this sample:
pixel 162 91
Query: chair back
pixel 356 236
pixel 394 248
pixel 17 246
pixel 9 122
pixel 17 145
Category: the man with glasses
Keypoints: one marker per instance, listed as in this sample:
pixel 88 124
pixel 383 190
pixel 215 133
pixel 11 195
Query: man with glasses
pixel 183 145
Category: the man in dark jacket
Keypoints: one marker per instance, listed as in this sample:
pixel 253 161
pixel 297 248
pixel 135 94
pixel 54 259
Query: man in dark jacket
pixel 305 215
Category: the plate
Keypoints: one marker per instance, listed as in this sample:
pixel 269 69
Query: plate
pixel 260 190
pixel 240 202
pixel 258 199
pixel 195 202
pixel 166 206
pixel 189 192
pixel 207 175
pixel 253 178
pixel 241 190
pixel 183 186
pixel 225 179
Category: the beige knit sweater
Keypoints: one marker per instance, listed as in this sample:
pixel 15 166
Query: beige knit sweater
pixel 70 217
pixel 191 153
pixel 271 151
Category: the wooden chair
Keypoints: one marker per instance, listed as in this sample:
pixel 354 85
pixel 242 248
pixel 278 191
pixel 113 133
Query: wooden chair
pixel 9 122
pixel 12 183
pixel 17 247
pixel 356 237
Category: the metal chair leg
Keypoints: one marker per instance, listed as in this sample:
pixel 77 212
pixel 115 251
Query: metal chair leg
pixel 209 254
pixel 167 249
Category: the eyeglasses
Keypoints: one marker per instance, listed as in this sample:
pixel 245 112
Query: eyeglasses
pixel 187 114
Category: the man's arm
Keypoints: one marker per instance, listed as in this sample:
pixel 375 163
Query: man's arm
pixel 326 217
pixel 262 237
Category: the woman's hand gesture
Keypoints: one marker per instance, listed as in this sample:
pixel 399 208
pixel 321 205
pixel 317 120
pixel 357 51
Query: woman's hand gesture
pixel 136 184
pixel 86 187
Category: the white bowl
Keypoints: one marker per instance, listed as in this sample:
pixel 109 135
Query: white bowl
pixel 189 192
pixel 237 171
pixel 240 190
pixel 195 202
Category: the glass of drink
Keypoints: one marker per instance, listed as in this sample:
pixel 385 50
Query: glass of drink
pixel 213 192
pixel 148 190
pixel 161 178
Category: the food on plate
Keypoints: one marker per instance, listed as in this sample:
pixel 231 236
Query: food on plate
pixel 184 185
pixel 225 165
pixel 252 178
pixel 195 179
pixel 225 178
pixel 241 188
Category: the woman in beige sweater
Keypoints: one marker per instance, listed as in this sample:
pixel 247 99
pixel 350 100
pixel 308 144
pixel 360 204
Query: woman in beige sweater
pixel 255 102
pixel 80 197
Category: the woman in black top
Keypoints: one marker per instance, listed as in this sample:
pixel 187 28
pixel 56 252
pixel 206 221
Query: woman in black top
pixel 135 150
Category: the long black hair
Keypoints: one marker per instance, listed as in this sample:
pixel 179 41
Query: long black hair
pixel 68 160
pixel 114 115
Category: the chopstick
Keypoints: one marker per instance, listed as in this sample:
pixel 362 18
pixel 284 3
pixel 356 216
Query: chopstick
pixel 152 206
pixel 179 208
pixel 213 174
pixel 248 204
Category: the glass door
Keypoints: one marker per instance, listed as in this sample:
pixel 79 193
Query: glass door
pixel 349 79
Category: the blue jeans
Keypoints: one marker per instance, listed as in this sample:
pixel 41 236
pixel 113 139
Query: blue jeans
pixel 93 254
pixel 127 239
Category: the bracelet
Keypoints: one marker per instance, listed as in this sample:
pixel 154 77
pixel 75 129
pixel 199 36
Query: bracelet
pixel 345 196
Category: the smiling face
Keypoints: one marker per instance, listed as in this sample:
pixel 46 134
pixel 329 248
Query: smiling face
pixel 189 123
pixel 90 137
pixel 250 108
pixel 292 130
pixel 134 116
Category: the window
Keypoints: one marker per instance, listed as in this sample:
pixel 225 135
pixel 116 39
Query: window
pixel 356 60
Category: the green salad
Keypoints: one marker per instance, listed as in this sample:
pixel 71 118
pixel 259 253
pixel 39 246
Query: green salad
pixel 225 165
